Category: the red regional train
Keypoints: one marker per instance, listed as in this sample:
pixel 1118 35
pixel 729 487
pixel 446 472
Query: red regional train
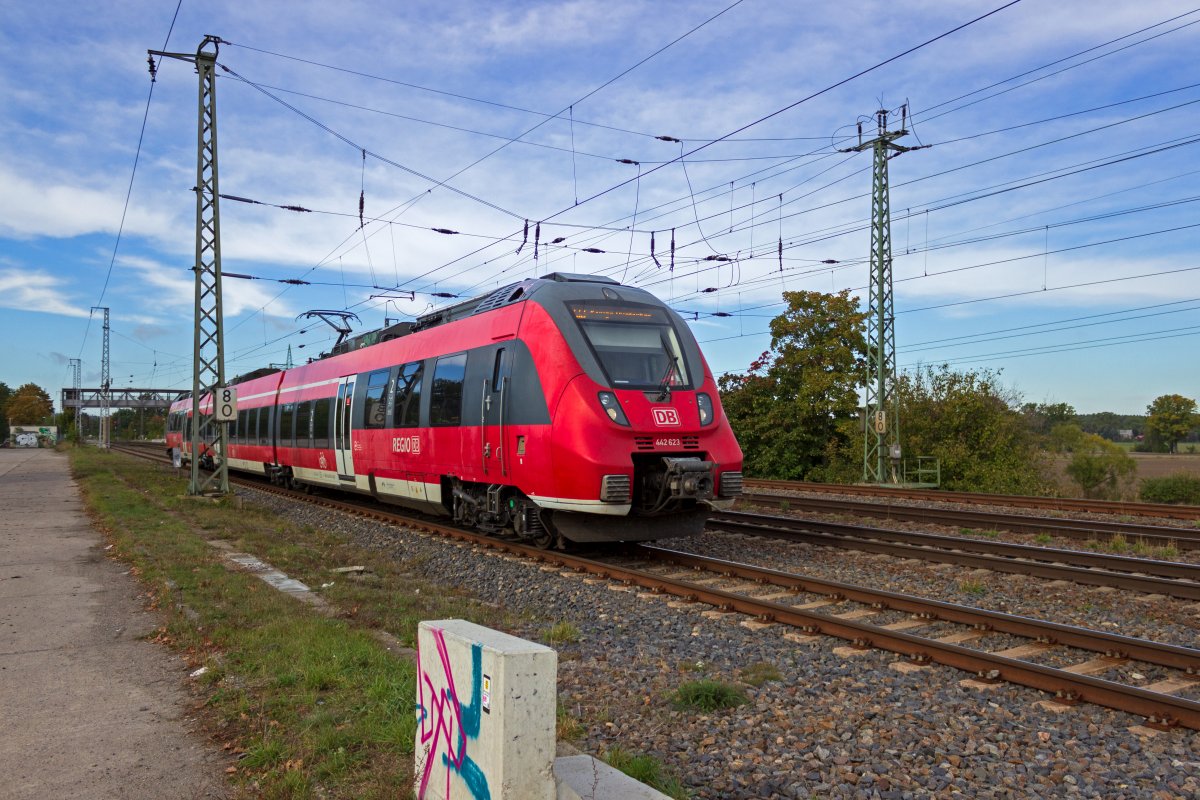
pixel 562 407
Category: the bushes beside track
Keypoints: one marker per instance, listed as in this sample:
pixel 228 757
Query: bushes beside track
pixel 1180 488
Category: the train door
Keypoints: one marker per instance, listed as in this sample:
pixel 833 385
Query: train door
pixel 493 400
pixel 342 447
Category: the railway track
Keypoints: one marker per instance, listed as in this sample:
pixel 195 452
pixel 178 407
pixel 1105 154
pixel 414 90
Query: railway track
pixel 1159 535
pixel 978 498
pixel 1170 578
pixel 761 593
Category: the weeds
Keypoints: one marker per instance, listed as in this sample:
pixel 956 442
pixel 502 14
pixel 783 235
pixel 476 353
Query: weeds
pixel 561 633
pixel 758 674
pixel 567 726
pixel 708 695
pixel 647 770
pixel 1043 539
pixel 1118 544
pixel 972 587
pixel 1168 552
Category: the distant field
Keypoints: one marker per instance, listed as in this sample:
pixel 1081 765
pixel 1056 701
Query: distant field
pixel 1149 465
pixel 1156 465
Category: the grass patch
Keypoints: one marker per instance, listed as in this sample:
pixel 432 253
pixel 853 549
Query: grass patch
pixel 708 695
pixel 648 770
pixel 561 633
pixel 760 673
pixel 1118 544
pixel 972 587
pixel 988 534
pixel 313 704
pixel 567 726
pixel 1168 552
pixel 1043 539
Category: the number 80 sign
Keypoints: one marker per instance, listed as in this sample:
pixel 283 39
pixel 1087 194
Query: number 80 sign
pixel 225 409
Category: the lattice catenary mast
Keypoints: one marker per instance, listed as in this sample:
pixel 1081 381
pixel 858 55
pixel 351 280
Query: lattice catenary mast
pixel 881 410
pixel 76 367
pixel 208 437
pixel 105 382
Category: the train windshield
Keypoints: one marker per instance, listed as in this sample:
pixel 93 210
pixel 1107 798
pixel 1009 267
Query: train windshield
pixel 637 345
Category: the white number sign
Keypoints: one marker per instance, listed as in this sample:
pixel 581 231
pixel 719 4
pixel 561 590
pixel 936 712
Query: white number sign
pixel 225 409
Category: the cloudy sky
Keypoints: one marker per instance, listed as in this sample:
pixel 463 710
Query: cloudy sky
pixel 1048 228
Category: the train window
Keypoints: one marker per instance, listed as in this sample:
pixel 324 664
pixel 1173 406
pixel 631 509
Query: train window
pixel 637 346
pixel 303 420
pixel 320 422
pixel 375 407
pixel 408 395
pixel 445 402
pixel 496 376
pixel 232 430
pixel 286 413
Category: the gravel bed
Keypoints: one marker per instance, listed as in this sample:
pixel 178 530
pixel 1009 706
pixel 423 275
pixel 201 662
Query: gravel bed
pixel 836 724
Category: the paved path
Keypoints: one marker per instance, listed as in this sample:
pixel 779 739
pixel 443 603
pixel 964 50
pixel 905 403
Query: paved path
pixel 86 709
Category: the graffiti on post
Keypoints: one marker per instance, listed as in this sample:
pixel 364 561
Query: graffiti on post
pixel 446 724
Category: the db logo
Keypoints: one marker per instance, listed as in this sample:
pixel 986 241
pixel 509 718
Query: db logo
pixel 665 416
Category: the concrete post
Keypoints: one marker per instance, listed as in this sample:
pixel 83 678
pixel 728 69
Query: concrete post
pixel 485 714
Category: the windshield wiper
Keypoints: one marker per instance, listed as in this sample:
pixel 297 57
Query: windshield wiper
pixel 664 387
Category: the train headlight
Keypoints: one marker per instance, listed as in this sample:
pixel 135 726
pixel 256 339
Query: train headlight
pixel 705 406
pixel 608 401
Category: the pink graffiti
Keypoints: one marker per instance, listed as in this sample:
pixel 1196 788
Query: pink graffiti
pixel 441 718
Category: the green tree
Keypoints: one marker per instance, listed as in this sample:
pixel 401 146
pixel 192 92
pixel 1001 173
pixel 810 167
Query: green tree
pixel 789 409
pixel 29 405
pixel 5 396
pixel 1171 418
pixel 1065 437
pixel 1044 417
pixel 972 424
pixel 1100 467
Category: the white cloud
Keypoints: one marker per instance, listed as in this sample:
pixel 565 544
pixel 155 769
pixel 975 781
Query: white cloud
pixel 35 290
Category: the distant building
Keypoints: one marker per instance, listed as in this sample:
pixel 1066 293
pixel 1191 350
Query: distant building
pixel 1125 436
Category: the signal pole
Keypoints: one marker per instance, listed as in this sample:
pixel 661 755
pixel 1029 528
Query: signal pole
pixel 881 410
pixel 208 354
pixel 105 383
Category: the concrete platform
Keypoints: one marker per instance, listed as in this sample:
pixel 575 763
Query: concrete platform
pixel 87 710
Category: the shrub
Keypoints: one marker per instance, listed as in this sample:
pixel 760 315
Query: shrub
pixel 1178 488
pixel 1100 467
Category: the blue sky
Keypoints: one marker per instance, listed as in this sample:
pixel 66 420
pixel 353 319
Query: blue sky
pixel 1045 232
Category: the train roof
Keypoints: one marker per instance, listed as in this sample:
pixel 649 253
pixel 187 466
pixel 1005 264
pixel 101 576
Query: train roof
pixel 496 298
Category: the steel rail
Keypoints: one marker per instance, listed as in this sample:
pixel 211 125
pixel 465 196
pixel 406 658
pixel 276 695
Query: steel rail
pixel 1184 538
pixel 979 498
pixel 1144 575
pixel 1157 707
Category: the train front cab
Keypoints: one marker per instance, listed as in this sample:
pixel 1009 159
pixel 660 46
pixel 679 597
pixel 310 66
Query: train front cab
pixel 640 434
